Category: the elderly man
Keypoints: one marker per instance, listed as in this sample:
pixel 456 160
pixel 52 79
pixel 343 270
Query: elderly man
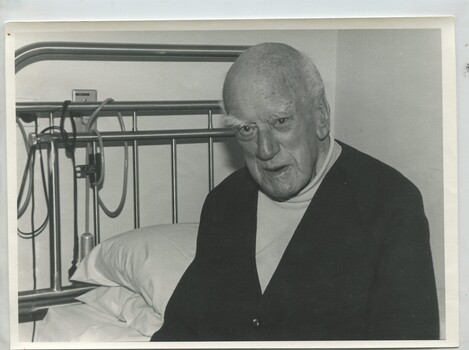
pixel 313 240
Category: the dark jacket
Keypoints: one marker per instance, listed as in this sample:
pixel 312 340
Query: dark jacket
pixel 358 266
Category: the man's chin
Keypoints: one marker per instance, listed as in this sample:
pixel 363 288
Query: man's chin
pixel 278 189
pixel 280 195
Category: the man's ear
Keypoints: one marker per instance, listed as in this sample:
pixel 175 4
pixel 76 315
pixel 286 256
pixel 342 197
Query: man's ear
pixel 322 119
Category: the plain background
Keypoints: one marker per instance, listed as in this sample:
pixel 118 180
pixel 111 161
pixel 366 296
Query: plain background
pixel 88 10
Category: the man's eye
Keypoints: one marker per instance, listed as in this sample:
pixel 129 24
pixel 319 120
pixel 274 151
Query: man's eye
pixel 246 129
pixel 282 121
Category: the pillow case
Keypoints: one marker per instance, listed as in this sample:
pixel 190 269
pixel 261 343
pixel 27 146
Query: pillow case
pixel 126 306
pixel 149 261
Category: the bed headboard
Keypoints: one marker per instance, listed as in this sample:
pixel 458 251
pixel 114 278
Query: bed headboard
pixel 33 303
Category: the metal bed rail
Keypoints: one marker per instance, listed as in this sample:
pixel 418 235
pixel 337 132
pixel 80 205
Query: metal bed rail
pixel 43 109
pixel 35 302
pixel 83 51
pixel 32 301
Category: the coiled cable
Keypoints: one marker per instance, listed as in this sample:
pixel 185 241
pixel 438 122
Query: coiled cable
pixel 100 181
pixel 28 171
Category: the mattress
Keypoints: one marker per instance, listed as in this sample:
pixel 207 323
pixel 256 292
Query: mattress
pixel 83 323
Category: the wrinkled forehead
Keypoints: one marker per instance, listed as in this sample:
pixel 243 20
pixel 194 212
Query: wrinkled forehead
pixel 243 114
pixel 262 91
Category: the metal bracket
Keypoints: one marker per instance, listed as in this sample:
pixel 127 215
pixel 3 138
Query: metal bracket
pixel 92 169
pixel 42 138
pixel 83 171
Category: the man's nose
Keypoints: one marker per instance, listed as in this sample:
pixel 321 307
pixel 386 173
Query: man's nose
pixel 267 145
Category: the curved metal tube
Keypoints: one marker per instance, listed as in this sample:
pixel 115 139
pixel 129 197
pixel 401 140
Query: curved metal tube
pixel 144 135
pixel 82 51
pixel 31 302
pixel 155 107
pixel 135 169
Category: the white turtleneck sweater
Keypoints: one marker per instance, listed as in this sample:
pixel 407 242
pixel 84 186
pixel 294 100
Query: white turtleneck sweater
pixel 277 221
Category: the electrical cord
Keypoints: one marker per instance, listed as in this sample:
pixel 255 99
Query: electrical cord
pixel 74 262
pixel 94 116
pixel 27 171
pixel 70 147
pixel 30 196
pixel 99 182
pixel 111 213
pixel 29 168
pixel 28 235
pixel 116 212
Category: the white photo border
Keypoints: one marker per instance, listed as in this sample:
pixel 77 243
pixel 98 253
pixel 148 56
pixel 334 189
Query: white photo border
pixel 446 24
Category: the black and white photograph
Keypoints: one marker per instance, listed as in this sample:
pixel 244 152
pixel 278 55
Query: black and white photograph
pixel 216 183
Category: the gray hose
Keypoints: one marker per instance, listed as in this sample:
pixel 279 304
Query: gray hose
pixel 111 213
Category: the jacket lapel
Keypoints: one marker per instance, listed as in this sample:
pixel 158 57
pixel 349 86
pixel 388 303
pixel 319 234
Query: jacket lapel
pixel 241 230
pixel 322 225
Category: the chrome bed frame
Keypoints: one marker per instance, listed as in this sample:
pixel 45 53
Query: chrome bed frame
pixel 33 304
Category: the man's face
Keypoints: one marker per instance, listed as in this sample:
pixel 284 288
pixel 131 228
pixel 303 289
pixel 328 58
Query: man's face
pixel 278 136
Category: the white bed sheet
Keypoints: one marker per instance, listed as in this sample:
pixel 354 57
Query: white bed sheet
pixel 82 323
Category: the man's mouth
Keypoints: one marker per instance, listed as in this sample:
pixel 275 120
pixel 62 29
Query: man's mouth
pixel 275 170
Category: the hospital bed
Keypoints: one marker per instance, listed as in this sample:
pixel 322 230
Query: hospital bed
pixel 120 289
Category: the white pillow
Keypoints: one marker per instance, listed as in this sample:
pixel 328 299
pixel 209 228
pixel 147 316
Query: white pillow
pixel 126 306
pixel 150 261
